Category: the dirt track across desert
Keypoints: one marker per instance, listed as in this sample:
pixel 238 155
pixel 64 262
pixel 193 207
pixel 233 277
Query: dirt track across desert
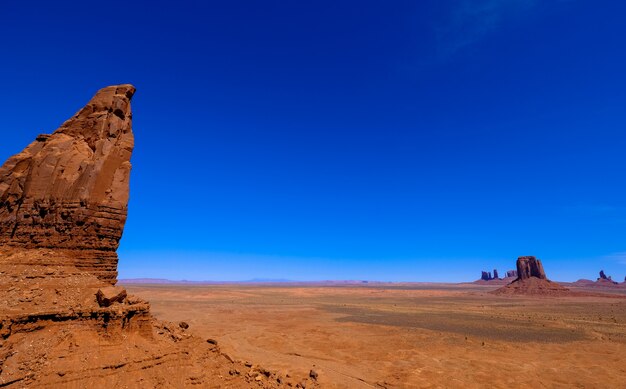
pixel 408 336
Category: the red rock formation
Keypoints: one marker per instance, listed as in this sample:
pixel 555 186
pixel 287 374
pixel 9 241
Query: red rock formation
pixel 533 286
pixel 487 276
pixel 605 280
pixel 530 267
pixel 600 284
pixel 69 190
pixel 532 280
pixel 63 204
pixel 511 273
pixel 110 295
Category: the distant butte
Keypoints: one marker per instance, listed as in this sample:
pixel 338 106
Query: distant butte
pixel 602 282
pixel 604 279
pixel 486 278
pixel 531 280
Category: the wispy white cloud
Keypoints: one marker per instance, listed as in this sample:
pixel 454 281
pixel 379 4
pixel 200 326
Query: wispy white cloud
pixel 472 20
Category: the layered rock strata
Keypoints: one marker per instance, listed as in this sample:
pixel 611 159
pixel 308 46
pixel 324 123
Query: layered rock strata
pixel 69 190
pixel 63 205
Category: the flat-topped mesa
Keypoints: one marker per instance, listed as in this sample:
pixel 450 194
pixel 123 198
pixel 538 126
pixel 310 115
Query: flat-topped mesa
pixel 70 190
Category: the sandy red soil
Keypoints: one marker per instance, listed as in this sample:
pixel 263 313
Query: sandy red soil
pixel 408 336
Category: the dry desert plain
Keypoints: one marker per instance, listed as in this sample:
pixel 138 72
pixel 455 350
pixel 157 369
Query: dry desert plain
pixel 407 335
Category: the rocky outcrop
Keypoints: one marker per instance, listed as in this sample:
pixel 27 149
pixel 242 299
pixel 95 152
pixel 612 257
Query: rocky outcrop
pixel 69 190
pixel 63 205
pixel 605 279
pixel 488 278
pixel 511 273
pixel 486 275
pixel 530 267
pixel 110 295
pixel 605 283
pixel 493 279
pixel 531 280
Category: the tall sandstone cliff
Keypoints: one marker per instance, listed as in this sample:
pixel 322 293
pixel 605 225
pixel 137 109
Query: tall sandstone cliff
pixel 63 205
pixel 69 191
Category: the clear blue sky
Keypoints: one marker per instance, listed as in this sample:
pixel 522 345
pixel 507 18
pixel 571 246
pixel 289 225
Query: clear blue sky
pixel 381 140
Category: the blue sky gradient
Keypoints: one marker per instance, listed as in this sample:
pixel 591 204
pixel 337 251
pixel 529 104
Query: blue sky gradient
pixel 392 141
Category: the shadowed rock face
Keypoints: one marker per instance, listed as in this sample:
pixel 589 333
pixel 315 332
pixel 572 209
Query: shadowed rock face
pixel 69 190
pixel 530 267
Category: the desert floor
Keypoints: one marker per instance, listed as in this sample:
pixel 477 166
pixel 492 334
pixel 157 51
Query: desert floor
pixel 408 336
